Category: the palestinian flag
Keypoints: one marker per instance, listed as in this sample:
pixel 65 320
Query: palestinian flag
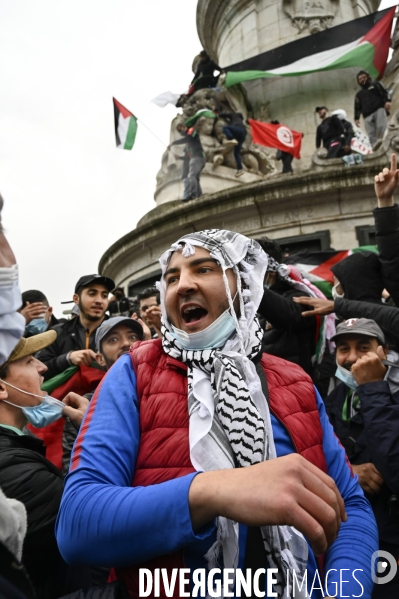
pixel 362 43
pixel 80 380
pixel 276 136
pixel 190 122
pixel 315 266
pixel 125 126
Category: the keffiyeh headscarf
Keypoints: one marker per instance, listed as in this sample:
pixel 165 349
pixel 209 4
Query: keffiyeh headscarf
pixel 230 422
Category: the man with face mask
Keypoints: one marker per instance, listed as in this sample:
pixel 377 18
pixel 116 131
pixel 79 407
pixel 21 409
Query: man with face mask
pixel 372 101
pixel 75 343
pixel 364 411
pixel 37 312
pixel 193 422
pixel 25 473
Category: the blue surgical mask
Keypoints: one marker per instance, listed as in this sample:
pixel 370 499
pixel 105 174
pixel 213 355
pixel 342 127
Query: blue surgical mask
pixel 37 325
pixel 346 377
pixel 212 337
pixel 46 412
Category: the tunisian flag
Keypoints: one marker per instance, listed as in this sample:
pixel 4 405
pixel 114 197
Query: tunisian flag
pixel 276 136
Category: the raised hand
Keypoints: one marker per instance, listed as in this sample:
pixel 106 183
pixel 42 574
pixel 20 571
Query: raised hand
pixel 386 183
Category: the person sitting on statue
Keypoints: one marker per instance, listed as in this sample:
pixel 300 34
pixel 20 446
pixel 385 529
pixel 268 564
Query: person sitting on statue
pixel 204 75
pixel 190 137
pixel 331 131
pixel 235 133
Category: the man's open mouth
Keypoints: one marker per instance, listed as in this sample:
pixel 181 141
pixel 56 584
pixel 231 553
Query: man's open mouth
pixel 193 313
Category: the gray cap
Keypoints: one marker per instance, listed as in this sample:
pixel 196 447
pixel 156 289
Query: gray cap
pixel 360 326
pixel 107 326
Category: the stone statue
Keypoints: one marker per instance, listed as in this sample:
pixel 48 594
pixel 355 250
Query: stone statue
pixel 256 160
pixel 315 15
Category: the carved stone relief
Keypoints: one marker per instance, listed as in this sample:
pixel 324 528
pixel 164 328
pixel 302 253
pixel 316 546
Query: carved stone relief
pixel 315 15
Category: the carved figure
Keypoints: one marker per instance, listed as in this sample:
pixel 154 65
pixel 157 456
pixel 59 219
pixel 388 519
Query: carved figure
pixel 316 15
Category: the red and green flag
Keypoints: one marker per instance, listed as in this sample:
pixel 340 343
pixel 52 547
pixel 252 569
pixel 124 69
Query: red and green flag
pixel 125 126
pixel 81 380
pixel 362 43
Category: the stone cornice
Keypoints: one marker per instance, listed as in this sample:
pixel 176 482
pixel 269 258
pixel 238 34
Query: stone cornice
pixel 165 223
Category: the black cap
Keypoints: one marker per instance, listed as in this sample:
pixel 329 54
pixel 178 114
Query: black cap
pixel 320 108
pixel 87 280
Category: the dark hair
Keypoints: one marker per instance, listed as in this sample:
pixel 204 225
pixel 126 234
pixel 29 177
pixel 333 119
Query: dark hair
pixel 271 247
pixel 3 371
pixel 149 292
pixel 33 295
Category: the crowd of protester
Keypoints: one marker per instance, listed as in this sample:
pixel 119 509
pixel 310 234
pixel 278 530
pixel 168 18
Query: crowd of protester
pixel 232 417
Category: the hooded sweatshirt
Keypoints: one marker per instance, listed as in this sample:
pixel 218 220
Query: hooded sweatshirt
pixel 360 277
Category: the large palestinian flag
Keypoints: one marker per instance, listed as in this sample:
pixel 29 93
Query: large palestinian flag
pixel 125 126
pixel 362 43
pixel 81 380
pixel 315 266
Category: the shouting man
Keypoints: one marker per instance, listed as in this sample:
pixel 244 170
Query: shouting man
pixel 194 422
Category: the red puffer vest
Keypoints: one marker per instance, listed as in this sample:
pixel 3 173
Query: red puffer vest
pixel 164 451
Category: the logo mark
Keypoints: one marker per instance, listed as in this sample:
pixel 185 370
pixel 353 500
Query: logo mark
pixel 386 567
pixel 285 136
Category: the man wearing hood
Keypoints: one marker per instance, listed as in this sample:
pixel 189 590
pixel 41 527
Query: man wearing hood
pixel 358 277
pixel 193 422
pixel 364 411
pixel 372 101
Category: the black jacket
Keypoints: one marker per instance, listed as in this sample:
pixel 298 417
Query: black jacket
pixel 360 277
pixel 235 118
pixel 387 317
pixel 369 99
pixel 26 475
pixel 292 336
pixel 71 336
pixel 387 236
pixel 372 436
pixel 331 129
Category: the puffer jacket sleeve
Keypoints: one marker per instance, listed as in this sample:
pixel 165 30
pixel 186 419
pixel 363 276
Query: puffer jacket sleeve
pixel 387 236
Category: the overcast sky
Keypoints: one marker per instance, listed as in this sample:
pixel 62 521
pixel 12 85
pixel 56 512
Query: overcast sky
pixel 69 193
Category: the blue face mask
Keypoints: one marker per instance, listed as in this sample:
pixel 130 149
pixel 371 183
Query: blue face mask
pixel 37 325
pixel 346 377
pixel 46 412
pixel 212 337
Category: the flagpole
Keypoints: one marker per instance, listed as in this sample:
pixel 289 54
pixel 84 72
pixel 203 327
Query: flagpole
pixel 152 132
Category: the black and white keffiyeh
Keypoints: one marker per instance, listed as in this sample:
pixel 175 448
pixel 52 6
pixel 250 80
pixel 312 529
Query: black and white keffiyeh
pixel 230 422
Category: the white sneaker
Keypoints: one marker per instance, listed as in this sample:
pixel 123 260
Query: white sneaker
pixel 239 173
pixel 230 142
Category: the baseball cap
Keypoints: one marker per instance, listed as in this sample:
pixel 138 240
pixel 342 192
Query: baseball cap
pixel 107 326
pixel 86 280
pixel 31 345
pixel 360 326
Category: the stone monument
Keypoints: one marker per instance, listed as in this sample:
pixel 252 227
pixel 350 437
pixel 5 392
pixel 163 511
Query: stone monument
pixel 324 203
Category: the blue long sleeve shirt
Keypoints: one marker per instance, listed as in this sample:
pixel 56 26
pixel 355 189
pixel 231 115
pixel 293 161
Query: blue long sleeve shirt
pixel 105 521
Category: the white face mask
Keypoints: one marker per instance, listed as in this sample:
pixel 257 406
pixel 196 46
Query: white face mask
pixel 48 411
pixel 346 377
pixel 335 293
pixel 212 337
